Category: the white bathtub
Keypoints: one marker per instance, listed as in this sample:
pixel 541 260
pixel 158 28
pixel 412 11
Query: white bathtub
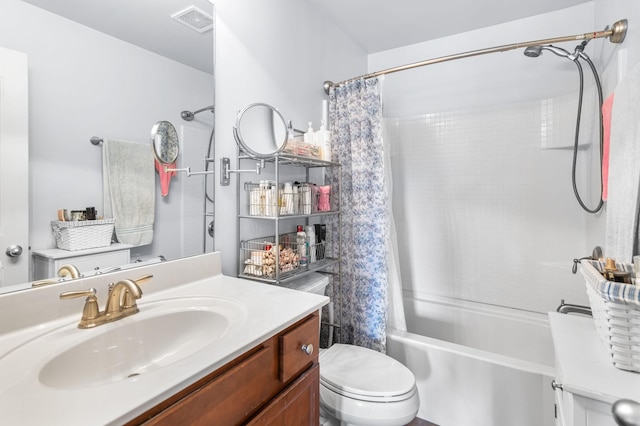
pixel 477 364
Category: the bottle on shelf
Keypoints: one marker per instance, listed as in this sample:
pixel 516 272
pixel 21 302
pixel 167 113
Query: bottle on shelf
pixel 286 205
pixel 323 138
pixel 311 243
pixel 301 245
pixel 296 199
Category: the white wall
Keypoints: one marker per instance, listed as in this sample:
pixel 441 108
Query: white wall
pixel 83 83
pixel 278 52
pixel 488 214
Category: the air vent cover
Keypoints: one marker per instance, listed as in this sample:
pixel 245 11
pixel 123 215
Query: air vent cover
pixel 195 19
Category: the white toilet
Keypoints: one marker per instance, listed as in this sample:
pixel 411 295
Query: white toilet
pixel 359 386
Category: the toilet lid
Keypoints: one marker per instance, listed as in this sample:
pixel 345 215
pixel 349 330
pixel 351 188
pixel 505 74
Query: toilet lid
pixel 364 372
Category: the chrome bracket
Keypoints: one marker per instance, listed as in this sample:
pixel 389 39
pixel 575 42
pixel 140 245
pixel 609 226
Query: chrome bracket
pixel 225 170
pixel 188 171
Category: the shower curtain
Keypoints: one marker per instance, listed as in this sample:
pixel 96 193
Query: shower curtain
pixel 355 114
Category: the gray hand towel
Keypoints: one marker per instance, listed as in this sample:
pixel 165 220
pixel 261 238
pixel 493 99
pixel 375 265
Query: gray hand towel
pixel 129 194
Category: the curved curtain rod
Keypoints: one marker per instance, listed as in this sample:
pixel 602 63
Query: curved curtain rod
pixel 616 34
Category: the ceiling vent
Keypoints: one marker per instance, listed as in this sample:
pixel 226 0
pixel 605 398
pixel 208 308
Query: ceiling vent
pixel 195 19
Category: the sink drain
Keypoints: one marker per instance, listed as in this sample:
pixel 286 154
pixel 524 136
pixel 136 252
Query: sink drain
pixel 133 375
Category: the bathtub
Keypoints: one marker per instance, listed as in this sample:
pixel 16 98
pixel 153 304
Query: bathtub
pixel 477 364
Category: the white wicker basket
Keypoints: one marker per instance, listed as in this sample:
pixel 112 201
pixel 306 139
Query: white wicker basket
pixel 616 314
pixel 82 235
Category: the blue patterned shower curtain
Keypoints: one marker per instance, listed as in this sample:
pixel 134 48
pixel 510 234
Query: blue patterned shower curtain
pixel 355 113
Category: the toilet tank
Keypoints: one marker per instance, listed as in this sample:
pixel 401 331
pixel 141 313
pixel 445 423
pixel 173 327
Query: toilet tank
pixel 311 283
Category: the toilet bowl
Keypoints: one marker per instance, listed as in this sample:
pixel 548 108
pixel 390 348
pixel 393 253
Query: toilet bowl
pixel 359 386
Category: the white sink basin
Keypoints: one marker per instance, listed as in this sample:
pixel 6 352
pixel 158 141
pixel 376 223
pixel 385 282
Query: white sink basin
pixel 160 335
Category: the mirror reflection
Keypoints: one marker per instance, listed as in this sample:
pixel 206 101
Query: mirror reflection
pixel 164 141
pixel 85 84
pixel 260 130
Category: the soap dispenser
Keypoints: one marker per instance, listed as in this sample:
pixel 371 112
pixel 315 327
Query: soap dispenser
pixel 309 136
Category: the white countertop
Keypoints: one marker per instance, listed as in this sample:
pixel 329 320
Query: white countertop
pixel 24 400
pixel 583 365
pixel 56 253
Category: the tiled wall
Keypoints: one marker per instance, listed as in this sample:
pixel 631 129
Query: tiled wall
pixel 482 162
pixel 484 207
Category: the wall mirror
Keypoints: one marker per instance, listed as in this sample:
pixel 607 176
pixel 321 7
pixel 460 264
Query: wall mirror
pixel 260 130
pixel 164 141
pixel 85 79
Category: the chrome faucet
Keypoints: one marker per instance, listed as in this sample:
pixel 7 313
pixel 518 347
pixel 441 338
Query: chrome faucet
pixel 567 308
pixel 121 302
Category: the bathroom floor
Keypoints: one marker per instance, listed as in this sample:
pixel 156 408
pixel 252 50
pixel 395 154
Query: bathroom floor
pixel 420 422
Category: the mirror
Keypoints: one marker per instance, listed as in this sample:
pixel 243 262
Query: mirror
pixel 93 82
pixel 164 140
pixel 260 130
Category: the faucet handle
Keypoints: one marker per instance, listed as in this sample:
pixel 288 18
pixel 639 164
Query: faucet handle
pixel 91 310
pixel 143 279
pixel 81 293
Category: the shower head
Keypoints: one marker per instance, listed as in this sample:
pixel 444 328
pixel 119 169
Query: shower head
pixel 188 115
pixel 535 51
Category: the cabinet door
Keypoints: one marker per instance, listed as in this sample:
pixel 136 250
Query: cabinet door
pixel 590 412
pixel 296 405
pixel 293 359
pixel 227 400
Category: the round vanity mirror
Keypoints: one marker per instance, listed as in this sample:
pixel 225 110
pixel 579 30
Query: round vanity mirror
pixel 260 130
pixel 164 140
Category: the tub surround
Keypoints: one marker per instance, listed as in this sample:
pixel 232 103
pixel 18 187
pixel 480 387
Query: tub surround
pixel 26 316
pixel 590 383
pixel 466 351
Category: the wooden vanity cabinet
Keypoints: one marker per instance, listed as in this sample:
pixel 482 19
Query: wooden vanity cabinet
pixel 275 382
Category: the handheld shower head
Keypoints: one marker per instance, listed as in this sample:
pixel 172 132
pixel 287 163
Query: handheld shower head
pixel 188 115
pixel 535 51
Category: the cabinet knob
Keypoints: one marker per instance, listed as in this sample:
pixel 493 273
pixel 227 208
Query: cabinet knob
pixel 555 385
pixel 307 349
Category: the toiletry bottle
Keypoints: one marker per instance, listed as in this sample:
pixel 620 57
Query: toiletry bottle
pixel 311 243
pixel 305 198
pixel 268 200
pixel 321 234
pixel 309 136
pixel 287 199
pixel 296 198
pixel 324 140
pixel 609 269
pixel 611 273
pixel 301 244
pixel 263 195
pixel 274 199
pixel 324 198
pixel 254 199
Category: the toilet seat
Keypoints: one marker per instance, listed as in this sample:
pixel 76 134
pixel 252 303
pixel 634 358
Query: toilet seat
pixel 364 374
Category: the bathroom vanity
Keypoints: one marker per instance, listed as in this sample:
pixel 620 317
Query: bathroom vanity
pixel 272 382
pixel 587 384
pixel 203 348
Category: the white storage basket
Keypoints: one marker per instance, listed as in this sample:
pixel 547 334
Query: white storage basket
pixel 616 314
pixel 81 235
